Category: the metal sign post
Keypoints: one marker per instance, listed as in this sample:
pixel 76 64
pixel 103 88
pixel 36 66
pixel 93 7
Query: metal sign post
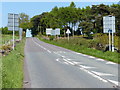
pixel 109 31
pixel 13 33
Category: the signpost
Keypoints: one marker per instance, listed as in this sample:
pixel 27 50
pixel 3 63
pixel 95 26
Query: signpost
pixel 109 27
pixel 68 32
pixel 13 24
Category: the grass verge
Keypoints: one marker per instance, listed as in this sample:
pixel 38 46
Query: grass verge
pixel 110 56
pixel 12 67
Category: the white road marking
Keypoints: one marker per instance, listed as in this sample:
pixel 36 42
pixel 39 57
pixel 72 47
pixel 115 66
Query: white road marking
pixel 62 56
pixel 76 62
pixel 100 60
pixel 49 51
pixel 114 82
pixel 79 53
pixel 86 67
pixel 102 74
pixel 91 57
pixel 84 55
pixel 68 61
pixel 98 77
pixel 41 46
pixel 57 59
pixel 110 63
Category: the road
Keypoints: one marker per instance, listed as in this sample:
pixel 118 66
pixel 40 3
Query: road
pixel 50 66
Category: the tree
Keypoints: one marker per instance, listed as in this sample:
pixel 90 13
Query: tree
pixel 24 21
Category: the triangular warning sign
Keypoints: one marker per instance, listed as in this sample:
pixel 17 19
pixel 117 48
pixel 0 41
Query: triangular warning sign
pixel 68 31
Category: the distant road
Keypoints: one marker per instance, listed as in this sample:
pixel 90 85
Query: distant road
pixel 50 66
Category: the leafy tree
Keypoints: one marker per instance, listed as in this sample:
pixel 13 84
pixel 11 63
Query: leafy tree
pixel 24 21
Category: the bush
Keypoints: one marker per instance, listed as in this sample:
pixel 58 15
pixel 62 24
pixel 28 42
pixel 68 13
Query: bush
pixel 51 38
pixel 6 47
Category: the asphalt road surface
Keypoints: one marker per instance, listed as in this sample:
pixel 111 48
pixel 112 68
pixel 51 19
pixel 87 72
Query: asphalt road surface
pixel 50 66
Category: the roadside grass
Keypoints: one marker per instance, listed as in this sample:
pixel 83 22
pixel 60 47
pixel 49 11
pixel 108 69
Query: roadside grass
pixel 12 67
pixel 6 38
pixel 110 56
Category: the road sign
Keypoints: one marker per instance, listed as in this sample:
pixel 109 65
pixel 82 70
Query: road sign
pixel 53 32
pixel 48 31
pixel 108 23
pixel 13 22
pixel 68 31
pixel 57 31
pixel 109 27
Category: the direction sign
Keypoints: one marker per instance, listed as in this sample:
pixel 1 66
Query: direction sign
pixel 48 31
pixel 68 31
pixel 53 32
pixel 108 23
pixel 13 22
pixel 57 31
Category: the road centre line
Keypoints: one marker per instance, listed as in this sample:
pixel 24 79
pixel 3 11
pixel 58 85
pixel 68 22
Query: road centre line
pixel 102 74
pixel 86 67
pixel 42 46
pixel 94 75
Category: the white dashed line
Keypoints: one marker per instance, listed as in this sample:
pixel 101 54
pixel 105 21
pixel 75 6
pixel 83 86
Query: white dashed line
pixel 100 60
pixel 57 59
pixel 49 51
pixel 91 57
pixel 41 46
pixel 86 67
pixel 76 62
pixel 102 74
pixel 68 61
pixel 110 63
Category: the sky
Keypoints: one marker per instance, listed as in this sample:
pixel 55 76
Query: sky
pixel 35 8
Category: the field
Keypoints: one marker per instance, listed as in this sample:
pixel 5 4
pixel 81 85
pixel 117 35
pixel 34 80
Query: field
pixel 12 67
pixel 7 38
pixel 87 46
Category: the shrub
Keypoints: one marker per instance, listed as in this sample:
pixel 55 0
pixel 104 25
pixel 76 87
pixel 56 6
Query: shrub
pixel 51 38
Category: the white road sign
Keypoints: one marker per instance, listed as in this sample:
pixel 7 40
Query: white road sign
pixel 68 31
pixel 10 28
pixel 48 31
pixel 57 31
pixel 53 32
pixel 13 22
pixel 108 24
